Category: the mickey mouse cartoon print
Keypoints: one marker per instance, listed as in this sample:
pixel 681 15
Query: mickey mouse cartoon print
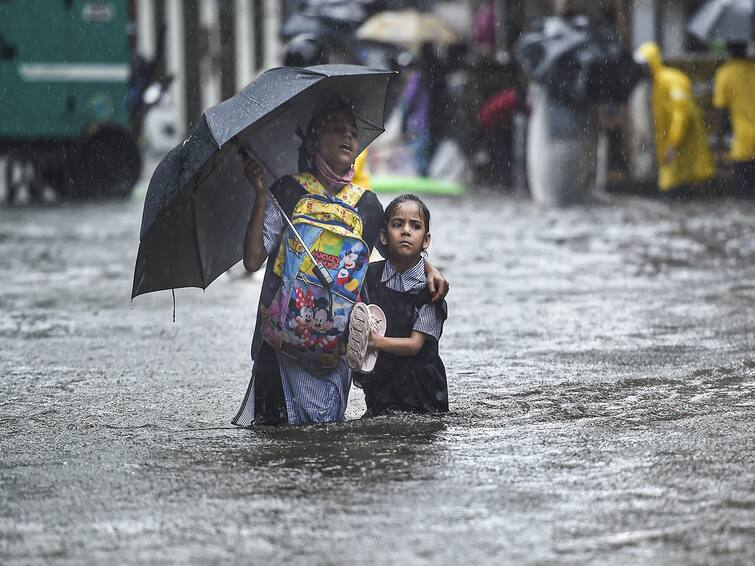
pixel 352 261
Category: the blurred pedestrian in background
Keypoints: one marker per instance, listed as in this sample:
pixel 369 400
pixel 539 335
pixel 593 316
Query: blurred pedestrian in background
pixel 684 158
pixel 573 66
pixel 734 94
pixel 496 118
pixel 484 28
pixel 143 72
pixel 425 107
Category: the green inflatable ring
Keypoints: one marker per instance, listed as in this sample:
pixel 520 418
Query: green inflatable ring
pixel 419 185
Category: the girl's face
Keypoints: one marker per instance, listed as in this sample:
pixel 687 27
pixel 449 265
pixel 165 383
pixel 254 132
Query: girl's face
pixel 337 141
pixel 406 234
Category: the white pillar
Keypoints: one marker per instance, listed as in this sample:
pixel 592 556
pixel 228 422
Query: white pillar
pixel 643 22
pixel 145 28
pixel 244 46
pixel 271 27
pixel 174 18
pixel 501 17
pixel 673 30
pixel 210 73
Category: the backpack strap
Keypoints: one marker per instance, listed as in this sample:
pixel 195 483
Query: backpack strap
pixel 350 194
pixel 375 273
pixel 287 191
pixel 372 279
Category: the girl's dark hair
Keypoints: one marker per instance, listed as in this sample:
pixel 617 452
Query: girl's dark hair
pixel 327 107
pixel 399 200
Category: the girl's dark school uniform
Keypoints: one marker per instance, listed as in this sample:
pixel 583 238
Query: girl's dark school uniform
pixel 405 383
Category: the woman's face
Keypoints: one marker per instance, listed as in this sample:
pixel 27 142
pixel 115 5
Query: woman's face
pixel 337 141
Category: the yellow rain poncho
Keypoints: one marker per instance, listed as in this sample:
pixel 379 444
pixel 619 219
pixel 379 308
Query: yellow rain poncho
pixel 734 90
pixel 678 125
pixel 361 174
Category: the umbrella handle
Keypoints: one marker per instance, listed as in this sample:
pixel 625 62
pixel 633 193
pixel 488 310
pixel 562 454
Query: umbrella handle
pixel 319 269
pixel 245 153
pixel 322 274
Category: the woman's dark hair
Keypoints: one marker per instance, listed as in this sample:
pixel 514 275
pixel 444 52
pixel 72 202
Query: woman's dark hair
pixel 327 107
pixel 399 200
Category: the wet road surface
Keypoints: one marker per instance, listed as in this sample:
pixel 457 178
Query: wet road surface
pixel 602 381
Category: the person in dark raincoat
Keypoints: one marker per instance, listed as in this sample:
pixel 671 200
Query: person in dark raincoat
pixel 282 389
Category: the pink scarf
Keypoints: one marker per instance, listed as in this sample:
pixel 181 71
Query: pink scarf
pixel 333 181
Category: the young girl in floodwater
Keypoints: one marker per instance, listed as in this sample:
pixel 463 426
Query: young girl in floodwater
pixel 409 374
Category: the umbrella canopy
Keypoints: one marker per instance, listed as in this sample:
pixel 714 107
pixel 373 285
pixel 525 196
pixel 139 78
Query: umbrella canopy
pixel 407 28
pixel 316 26
pixel 577 63
pixel 343 10
pixel 199 201
pixel 325 18
pixel 724 20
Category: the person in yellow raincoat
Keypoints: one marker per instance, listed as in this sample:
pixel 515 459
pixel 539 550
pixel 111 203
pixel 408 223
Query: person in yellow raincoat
pixel 734 92
pixel 361 173
pixel 684 158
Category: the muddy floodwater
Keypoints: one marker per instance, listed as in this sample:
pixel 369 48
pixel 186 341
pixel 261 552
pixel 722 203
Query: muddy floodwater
pixel 601 365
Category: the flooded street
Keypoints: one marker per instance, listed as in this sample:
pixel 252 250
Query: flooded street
pixel 601 368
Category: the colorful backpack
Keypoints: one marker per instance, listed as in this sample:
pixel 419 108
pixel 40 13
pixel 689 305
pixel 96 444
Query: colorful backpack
pixel 305 318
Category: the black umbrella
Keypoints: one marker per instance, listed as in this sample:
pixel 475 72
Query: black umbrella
pixel 198 201
pixel 724 20
pixel 316 26
pixel 576 62
pixel 351 11
pixel 325 18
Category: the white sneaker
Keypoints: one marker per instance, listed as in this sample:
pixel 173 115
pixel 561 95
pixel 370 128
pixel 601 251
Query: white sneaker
pixel 364 319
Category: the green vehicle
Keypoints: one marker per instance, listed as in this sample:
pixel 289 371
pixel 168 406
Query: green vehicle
pixel 64 86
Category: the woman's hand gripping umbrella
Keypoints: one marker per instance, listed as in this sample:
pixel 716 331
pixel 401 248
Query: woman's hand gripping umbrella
pixel 256 175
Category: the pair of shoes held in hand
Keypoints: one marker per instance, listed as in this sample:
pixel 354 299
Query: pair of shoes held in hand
pixel 364 319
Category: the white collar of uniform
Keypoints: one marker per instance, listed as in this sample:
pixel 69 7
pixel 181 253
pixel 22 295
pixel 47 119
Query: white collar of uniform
pixel 410 279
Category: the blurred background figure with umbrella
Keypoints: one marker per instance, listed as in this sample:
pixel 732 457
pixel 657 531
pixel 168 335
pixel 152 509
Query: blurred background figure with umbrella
pixel 332 26
pixel 731 22
pixel 421 141
pixel 572 67
pixel 407 28
pixel 325 18
pixel 724 21
pixel 682 152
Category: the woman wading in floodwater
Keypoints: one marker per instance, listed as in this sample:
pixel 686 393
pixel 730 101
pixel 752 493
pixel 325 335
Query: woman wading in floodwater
pixel 284 389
